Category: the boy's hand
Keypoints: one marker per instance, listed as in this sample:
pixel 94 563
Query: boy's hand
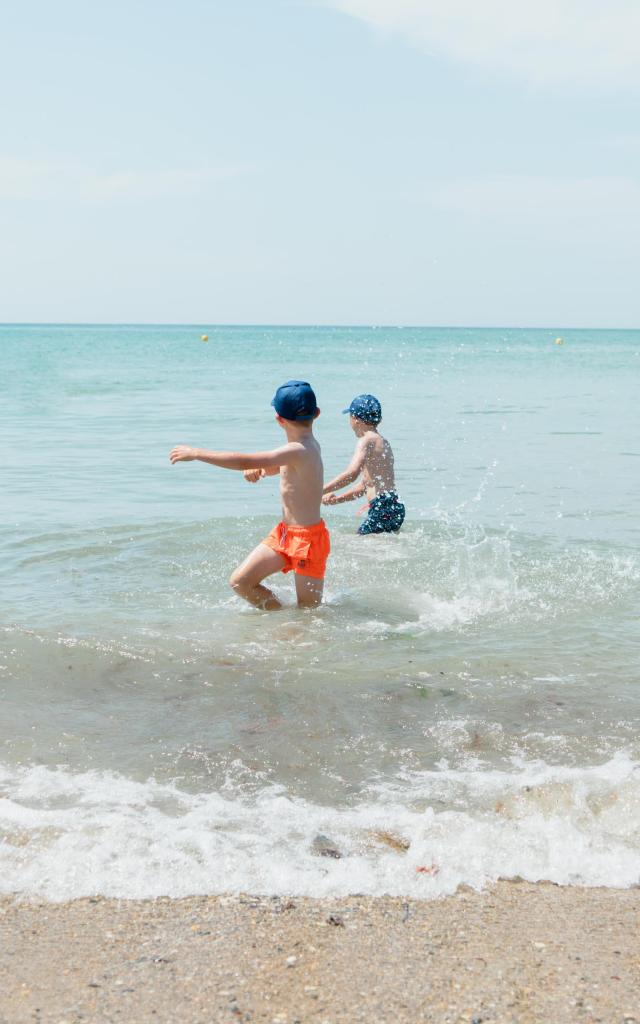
pixel 330 499
pixel 253 475
pixel 183 453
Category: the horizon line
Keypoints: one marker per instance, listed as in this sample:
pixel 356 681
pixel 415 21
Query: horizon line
pixel 289 326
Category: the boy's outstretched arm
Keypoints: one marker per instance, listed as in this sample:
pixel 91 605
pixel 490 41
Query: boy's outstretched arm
pixel 269 461
pixel 350 495
pixel 353 470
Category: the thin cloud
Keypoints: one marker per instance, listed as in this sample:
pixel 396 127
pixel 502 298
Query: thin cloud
pixel 24 179
pixel 157 184
pixel 584 42
pixel 528 196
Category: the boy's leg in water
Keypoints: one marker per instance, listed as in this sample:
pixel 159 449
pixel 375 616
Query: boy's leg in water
pixel 246 580
pixel 308 591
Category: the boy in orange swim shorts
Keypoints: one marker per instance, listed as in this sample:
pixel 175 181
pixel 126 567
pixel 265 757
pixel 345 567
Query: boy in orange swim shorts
pixel 300 542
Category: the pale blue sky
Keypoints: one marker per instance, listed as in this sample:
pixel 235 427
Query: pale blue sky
pixel 345 161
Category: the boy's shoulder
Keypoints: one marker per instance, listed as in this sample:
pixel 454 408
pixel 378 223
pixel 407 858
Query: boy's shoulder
pixel 371 438
pixel 310 445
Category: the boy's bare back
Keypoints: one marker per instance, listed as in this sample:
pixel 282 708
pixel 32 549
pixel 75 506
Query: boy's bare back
pixel 301 484
pixel 378 474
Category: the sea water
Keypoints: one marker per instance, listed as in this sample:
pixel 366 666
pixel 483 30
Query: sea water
pixel 463 708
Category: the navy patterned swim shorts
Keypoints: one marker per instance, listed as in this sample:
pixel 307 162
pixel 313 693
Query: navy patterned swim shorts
pixel 385 515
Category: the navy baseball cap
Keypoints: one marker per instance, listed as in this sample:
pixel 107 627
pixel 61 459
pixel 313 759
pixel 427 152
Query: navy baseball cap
pixel 366 408
pixel 295 400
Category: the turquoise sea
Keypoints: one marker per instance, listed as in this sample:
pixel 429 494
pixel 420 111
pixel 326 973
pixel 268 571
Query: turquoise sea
pixel 470 688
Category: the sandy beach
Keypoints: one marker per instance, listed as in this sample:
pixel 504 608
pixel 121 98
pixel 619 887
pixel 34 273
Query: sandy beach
pixel 517 953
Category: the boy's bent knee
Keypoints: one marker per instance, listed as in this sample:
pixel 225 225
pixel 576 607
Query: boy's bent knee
pixel 237 581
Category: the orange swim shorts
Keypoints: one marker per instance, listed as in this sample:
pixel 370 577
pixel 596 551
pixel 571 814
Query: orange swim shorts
pixel 305 548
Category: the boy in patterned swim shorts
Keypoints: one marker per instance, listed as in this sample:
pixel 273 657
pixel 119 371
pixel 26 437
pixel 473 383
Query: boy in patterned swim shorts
pixel 373 458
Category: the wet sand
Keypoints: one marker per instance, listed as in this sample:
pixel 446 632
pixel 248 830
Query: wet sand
pixel 518 953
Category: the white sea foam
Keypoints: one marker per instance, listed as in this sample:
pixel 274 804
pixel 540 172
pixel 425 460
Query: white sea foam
pixel 70 835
